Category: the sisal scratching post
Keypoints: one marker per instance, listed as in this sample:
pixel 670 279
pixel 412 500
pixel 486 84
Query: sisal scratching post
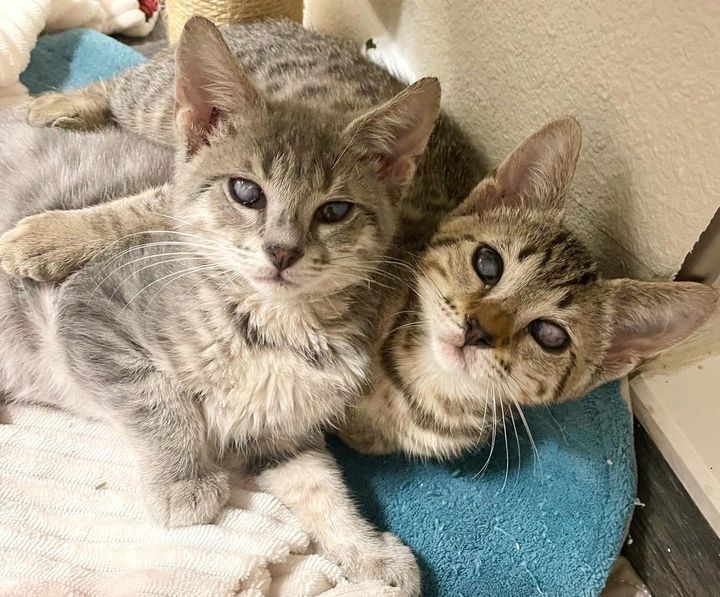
pixel 223 12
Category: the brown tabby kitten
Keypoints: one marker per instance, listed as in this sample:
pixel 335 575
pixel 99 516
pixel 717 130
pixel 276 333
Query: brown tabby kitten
pixel 508 309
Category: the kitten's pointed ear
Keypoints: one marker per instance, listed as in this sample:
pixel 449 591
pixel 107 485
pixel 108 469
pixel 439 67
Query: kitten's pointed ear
pixel 536 175
pixel 209 83
pixel 648 318
pixel 395 134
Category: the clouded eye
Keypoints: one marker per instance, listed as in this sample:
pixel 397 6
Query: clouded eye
pixel 333 211
pixel 488 264
pixel 549 335
pixel 246 193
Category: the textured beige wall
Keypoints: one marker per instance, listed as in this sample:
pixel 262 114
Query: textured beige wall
pixel 643 78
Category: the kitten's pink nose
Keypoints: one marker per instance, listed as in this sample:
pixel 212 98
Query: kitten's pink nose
pixel 283 257
pixel 477 335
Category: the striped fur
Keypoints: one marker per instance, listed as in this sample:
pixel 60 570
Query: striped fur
pixel 432 396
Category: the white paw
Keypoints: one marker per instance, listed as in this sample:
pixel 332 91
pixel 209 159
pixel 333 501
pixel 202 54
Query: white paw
pixel 385 559
pixel 191 501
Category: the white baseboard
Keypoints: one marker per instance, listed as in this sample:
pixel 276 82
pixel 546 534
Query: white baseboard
pixel 680 409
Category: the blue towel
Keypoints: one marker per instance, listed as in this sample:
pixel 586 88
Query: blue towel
pixel 75 58
pixel 542 521
pixel 526 523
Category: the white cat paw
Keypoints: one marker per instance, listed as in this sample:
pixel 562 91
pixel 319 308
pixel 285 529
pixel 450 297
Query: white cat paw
pixel 385 559
pixel 190 501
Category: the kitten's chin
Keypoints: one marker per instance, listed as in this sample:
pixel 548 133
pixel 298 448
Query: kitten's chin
pixel 272 289
pixel 279 287
pixel 274 284
pixel 295 285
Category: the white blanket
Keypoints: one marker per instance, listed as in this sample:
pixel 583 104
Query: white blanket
pixel 72 523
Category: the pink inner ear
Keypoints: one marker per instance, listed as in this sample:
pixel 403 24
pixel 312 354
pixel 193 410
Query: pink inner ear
pixel 652 317
pixel 193 113
pixel 195 125
pixel 394 170
pixel 394 135
pixel 397 164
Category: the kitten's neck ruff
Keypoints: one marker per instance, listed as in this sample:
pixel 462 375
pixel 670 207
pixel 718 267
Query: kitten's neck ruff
pixel 321 324
pixel 271 374
pixel 292 309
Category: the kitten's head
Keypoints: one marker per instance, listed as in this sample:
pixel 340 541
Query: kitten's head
pixel 513 302
pixel 293 200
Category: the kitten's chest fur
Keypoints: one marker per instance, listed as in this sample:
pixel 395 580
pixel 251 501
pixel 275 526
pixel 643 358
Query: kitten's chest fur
pixel 270 377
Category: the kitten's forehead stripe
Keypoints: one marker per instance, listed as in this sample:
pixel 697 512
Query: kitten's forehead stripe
pixel 581 280
pixel 327 180
pixel 526 252
pixel 566 300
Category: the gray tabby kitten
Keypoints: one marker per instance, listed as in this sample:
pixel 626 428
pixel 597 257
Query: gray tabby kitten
pixel 247 329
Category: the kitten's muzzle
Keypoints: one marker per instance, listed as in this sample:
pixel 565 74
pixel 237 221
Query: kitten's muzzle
pixel 283 257
pixel 477 335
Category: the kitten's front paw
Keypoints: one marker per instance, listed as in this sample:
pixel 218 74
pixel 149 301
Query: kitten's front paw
pixel 41 247
pixel 190 501
pixel 385 559
pixel 78 110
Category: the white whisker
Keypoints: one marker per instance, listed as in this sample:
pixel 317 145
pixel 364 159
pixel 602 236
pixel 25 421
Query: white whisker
pixel 179 275
pixel 507 451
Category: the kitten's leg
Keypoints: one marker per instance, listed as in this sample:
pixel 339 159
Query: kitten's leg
pixel 49 246
pixel 140 99
pixel 311 485
pixel 183 486
pixel 84 109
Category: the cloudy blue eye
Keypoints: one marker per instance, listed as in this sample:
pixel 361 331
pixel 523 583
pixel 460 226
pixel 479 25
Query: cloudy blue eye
pixel 549 335
pixel 247 193
pixel 333 211
pixel 488 264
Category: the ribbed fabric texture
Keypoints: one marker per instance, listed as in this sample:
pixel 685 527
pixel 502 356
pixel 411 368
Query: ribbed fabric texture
pixel 20 25
pixel 72 521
